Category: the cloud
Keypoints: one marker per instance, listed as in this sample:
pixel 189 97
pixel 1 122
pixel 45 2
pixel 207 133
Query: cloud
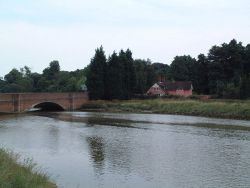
pixel 34 33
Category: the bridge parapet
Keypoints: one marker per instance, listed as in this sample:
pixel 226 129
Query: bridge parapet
pixel 21 102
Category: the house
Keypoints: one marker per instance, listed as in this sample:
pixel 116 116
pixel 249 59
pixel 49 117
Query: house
pixel 184 89
pixel 84 87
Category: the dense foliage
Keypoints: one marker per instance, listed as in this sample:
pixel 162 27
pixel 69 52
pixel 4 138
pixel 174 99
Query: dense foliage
pixel 120 76
pixel 51 80
pixel 224 72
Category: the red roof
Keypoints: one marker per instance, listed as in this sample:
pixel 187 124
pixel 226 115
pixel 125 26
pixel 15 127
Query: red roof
pixel 180 85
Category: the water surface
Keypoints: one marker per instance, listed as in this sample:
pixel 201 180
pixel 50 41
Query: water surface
pixel 133 150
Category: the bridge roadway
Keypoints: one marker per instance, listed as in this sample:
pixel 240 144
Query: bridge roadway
pixel 22 102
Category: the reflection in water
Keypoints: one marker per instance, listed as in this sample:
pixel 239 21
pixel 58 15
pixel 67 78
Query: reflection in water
pixel 133 150
pixel 90 120
pixel 97 152
pixel 53 138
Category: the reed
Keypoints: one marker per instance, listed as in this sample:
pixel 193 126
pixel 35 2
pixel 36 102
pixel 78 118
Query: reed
pixel 21 175
pixel 233 109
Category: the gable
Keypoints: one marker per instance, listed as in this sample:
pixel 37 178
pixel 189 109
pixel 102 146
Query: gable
pixel 155 85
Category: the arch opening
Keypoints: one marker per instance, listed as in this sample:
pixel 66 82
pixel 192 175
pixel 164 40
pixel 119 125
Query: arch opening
pixel 48 106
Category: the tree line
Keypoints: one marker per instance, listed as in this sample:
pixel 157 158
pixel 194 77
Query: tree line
pixel 224 73
pixel 120 76
pixel 52 79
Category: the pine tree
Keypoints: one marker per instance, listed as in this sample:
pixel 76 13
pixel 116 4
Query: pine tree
pixel 96 78
pixel 128 73
pixel 114 89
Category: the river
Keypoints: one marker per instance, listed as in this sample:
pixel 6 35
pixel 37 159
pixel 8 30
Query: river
pixel 90 149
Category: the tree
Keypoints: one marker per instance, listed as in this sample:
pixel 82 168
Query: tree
pixel 246 63
pixel 141 76
pixel 12 88
pixel 18 81
pixel 71 84
pixel 245 87
pixel 25 84
pixel 202 75
pixel 2 85
pixel 13 76
pixel 26 71
pixel 128 73
pixel 96 78
pixel 114 89
pixel 52 71
pixel 161 70
pixel 43 84
pixel 131 75
pixel 225 65
pixel 230 57
pixel 245 79
pixel 35 78
pixel 151 76
pixel 181 68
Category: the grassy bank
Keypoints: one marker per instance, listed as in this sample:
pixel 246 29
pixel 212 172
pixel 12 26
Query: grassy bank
pixel 14 175
pixel 233 109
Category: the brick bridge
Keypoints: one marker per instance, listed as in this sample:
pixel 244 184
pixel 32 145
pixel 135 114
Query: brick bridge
pixel 22 102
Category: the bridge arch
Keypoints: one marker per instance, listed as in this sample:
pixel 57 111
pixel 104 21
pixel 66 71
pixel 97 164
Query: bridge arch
pixel 48 106
pixel 22 102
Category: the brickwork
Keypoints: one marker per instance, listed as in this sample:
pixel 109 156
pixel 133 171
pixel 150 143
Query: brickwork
pixel 21 102
pixel 184 89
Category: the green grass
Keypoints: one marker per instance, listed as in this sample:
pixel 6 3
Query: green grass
pixel 15 175
pixel 234 109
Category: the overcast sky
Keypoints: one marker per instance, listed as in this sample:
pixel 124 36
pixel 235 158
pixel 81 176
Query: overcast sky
pixel 35 32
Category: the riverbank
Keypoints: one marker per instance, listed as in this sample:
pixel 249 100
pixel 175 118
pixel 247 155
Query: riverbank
pixel 232 109
pixel 13 175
